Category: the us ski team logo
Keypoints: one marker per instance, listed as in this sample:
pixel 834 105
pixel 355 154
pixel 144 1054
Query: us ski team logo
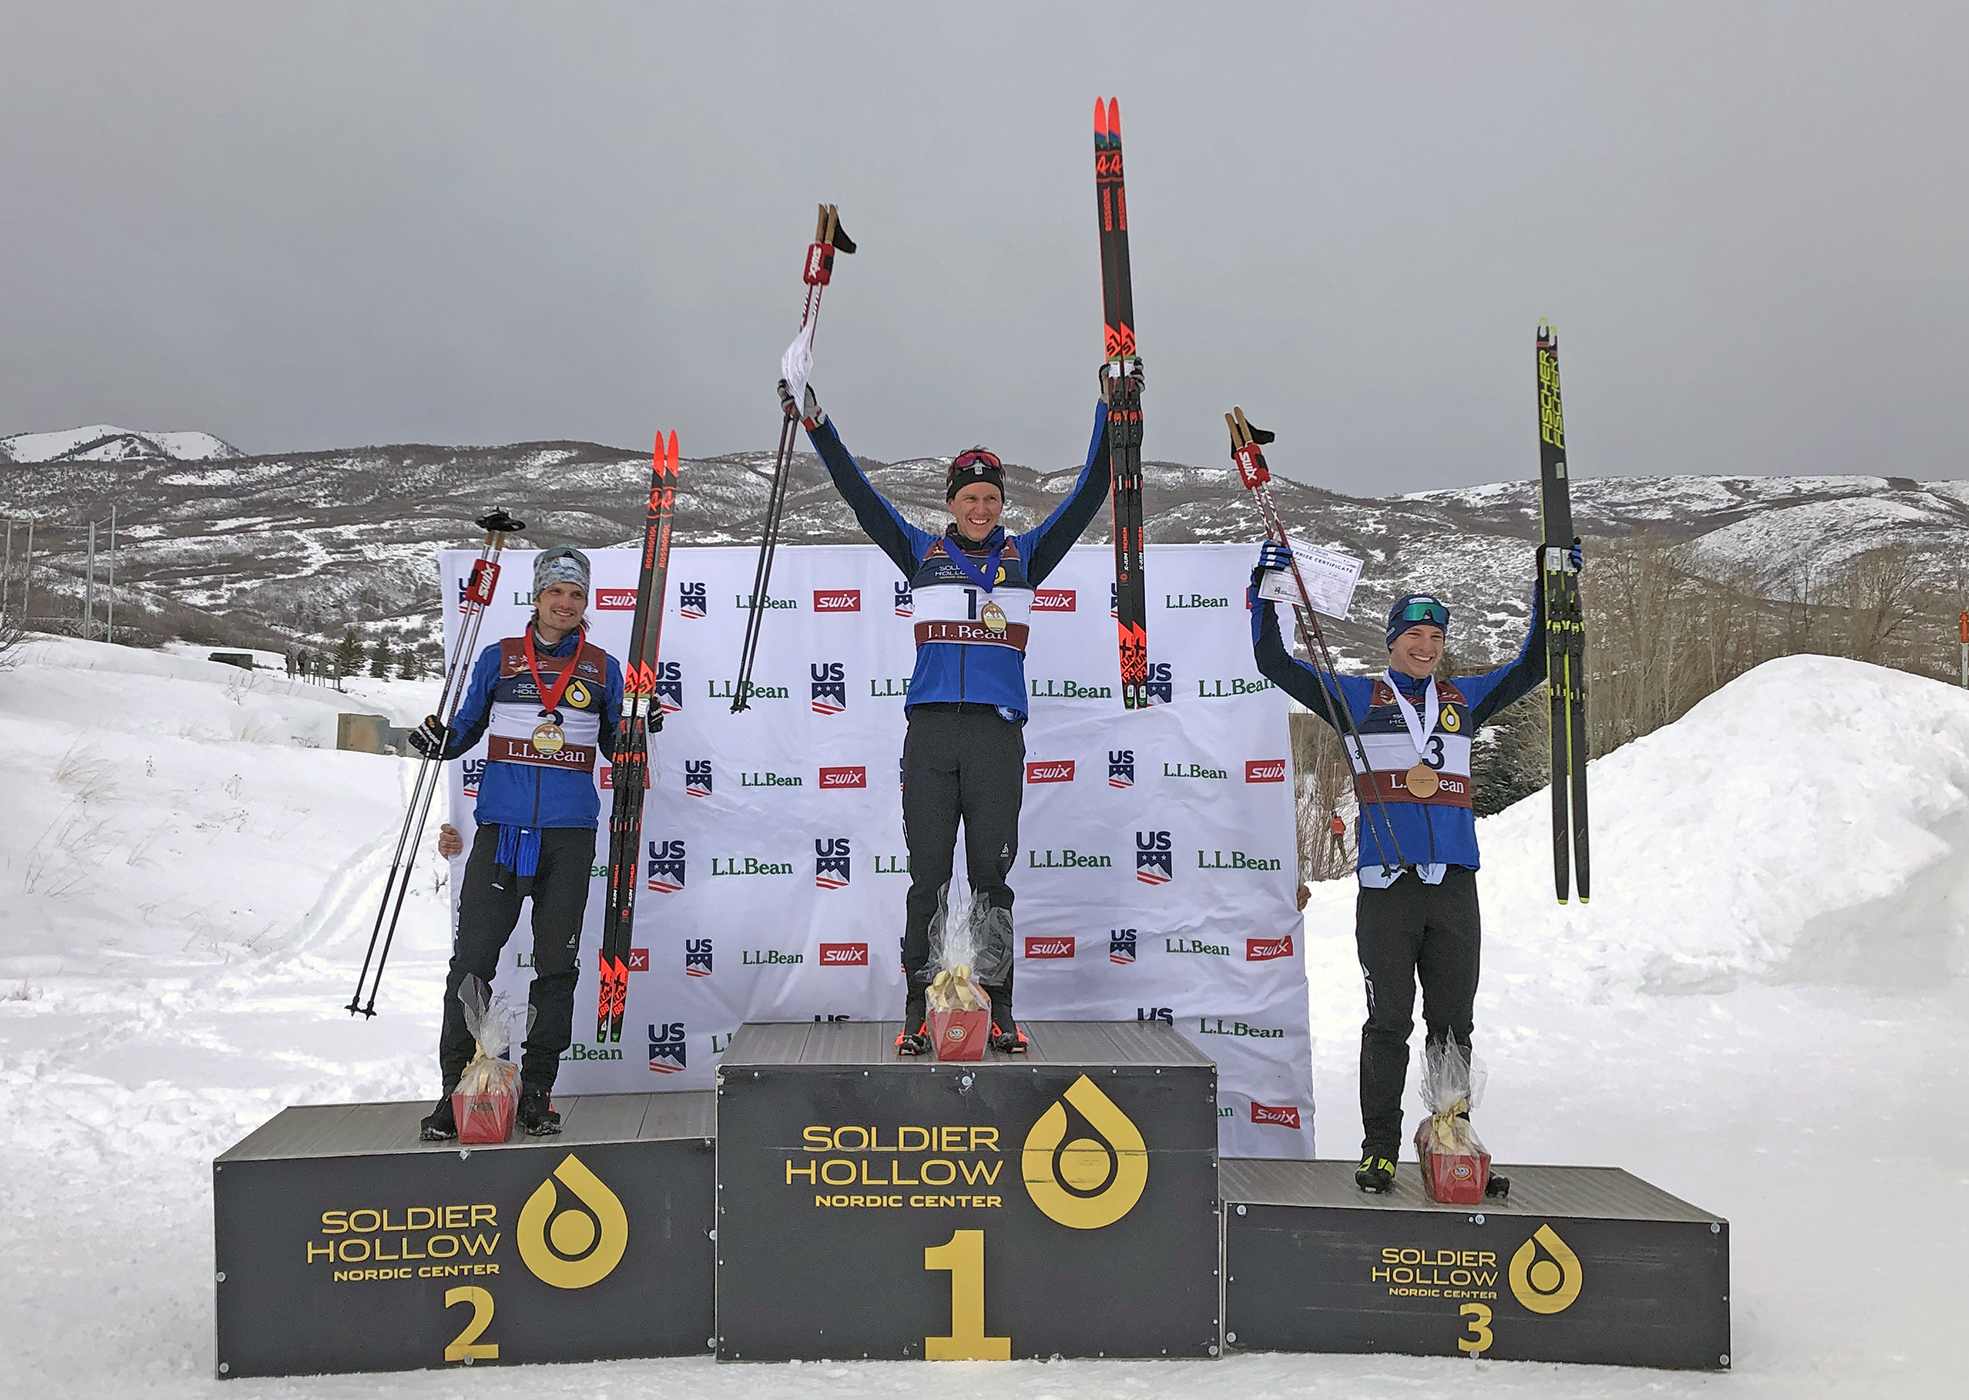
pixel 474 770
pixel 831 859
pixel 697 777
pixel 691 600
pixel 1114 600
pixel 830 687
pixel 1154 862
pixel 666 866
pixel 669 687
pixel 1121 946
pixel 666 1047
pixel 1121 768
pixel 1161 684
pixel 697 957
pixel 905 601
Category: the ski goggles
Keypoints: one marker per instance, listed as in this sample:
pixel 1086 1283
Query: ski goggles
pixel 1434 614
pixel 975 457
pixel 975 465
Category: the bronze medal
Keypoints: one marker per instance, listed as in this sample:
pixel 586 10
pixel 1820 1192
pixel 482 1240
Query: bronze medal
pixel 1421 781
pixel 549 738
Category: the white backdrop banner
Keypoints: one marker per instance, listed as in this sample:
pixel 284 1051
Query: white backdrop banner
pixel 1157 873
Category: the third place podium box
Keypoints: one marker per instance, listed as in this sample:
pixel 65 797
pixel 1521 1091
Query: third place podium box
pixel 1063 1202
pixel 1578 1264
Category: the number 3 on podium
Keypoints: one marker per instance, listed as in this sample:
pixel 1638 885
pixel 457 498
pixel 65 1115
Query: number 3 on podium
pixel 963 1256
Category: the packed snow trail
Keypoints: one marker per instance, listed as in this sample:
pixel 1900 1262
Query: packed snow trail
pixel 1763 1010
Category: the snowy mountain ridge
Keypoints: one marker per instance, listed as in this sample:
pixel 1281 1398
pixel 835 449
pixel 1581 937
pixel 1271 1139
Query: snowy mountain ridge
pixel 104 443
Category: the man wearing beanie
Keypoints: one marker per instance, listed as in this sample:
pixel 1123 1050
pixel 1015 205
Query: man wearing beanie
pixel 1416 914
pixel 547 701
pixel 964 753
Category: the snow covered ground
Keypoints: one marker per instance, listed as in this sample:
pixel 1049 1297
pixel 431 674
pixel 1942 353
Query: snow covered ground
pixel 1763 1010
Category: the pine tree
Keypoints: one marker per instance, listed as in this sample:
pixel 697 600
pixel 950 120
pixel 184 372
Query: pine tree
pixel 348 654
pixel 410 666
pixel 379 659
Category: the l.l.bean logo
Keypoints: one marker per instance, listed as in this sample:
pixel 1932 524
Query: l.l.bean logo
pixel 1546 1285
pixel 573 1244
pixel 1085 1182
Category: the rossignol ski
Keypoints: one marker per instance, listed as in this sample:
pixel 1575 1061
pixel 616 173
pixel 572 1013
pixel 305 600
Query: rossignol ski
pixel 1247 445
pixel 480 587
pixel 1565 629
pixel 829 238
pixel 1121 384
pixel 629 768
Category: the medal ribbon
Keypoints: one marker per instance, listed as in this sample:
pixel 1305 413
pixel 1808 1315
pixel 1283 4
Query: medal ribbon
pixel 956 555
pixel 551 699
pixel 1419 726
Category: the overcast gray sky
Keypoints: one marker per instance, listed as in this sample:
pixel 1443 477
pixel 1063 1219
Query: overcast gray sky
pixel 303 226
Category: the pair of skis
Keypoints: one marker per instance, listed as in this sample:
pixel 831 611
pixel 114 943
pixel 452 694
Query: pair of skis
pixel 630 770
pixel 1565 630
pixel 1121 385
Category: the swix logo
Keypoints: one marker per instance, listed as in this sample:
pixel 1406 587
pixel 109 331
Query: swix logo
pixel 1121 768
pixel 1161 683
pixel 474 770
pixel 1265 949
pixel 691 599
pixel 843 778
pixel 639 960
pixel 844 955
pixel 830 687
pixel 1164 1014
pixel 669 686
pixel 608 778
pixel 1264 770
pixel 666 866
pixel 1053 600
pixel 831 858
pixel 615 599
pixel 1049 947
pixel 666 1047
pixel 1059 770
pixel 1283 1115
pixel 829 600
pixel 697 777
pixel 905 601
pixel 1121 946
pixel 697 957
pixel 1154 863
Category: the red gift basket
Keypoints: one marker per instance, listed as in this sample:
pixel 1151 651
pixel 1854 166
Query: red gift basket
pixel 488 1093
pixel 1455 1167
pixel 960 1035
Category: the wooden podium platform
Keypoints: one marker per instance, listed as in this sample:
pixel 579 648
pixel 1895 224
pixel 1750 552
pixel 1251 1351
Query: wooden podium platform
pixel 1578 1264
pixel 1061 1202
pixel 345 1244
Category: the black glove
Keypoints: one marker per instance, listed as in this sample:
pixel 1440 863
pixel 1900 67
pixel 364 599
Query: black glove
pixel 1129 369
pixel 430 737
pixel 654 721
pixel 814 415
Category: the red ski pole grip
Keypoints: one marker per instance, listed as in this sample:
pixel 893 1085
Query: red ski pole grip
pixel 480 587
pixel 1251 465
pixel 820 264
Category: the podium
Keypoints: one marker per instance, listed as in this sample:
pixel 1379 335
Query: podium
pixel 1063 1202
pixel 345 1244
pixel 1577 1264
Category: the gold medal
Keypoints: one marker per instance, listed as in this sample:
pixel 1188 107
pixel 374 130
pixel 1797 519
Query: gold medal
pixel 1421 781
pixel 993 618
pixel 549 738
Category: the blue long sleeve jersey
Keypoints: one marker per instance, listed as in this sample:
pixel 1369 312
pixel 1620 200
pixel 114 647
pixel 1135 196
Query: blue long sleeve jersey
pixel 1441 830
pixel 984 660
pixel 527 794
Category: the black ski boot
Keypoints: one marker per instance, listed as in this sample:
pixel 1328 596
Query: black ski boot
pixel 1006 1037
pixel 915 1036
pixel 1375 1174
pixel 440 1125
pixel 537 1114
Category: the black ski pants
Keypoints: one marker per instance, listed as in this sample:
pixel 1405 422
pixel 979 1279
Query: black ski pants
pixel 488 908
pixel 1406 931
pixel 958 761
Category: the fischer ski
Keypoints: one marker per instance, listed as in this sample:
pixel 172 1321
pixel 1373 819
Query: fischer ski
pixel 1565 630
pixel 480 588
pixel 629 770
pixel 1247 444
pixel 829 238
pixel 1121 385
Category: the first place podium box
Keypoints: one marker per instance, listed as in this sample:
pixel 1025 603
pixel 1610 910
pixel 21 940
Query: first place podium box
pixel 1578 1264
pixel 1063 1202
pixel 345 1244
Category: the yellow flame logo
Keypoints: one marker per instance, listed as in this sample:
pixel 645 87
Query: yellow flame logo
pixel 1085 1182
pixel 578 1243
pixel 1547 1285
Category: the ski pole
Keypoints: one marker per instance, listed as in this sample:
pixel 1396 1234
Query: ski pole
pixel 479 592
pixel 1246 450
pixel 829 238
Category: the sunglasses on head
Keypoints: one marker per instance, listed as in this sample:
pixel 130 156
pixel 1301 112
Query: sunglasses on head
pixel 977 456
pixel 1432 613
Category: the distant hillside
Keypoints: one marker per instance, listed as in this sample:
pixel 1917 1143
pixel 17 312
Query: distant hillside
pixel 103 443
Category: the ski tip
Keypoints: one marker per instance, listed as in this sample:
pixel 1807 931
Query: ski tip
pixel 1100 119
pixel 1114 118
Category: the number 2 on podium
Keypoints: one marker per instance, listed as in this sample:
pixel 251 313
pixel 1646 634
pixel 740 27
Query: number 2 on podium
pixel 963 1256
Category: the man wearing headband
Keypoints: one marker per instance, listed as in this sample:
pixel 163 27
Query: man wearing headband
pixel 546 701
pixel 1416 914
pixel 964 755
